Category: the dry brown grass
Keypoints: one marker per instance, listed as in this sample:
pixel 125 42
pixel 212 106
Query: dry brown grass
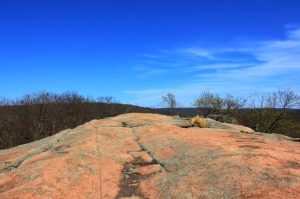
pixel 198 121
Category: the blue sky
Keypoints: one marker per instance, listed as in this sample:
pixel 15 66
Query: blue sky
pixel 138 50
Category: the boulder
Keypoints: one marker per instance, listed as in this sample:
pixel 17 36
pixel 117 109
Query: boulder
pixel 151 156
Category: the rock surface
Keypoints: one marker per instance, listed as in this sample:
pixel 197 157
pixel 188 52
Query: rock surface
pixel 210 123
pixel 152 156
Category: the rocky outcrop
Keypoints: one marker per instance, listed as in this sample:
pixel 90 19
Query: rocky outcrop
pixel 210 123
pixel 152 156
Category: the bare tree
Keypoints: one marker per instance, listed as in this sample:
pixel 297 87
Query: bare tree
pixel 280 101
pixel 269 111
pixel 107 99
pixel 259 113
pixel 233 103
pixel 4 101
pixel 170 100
pixel 210 103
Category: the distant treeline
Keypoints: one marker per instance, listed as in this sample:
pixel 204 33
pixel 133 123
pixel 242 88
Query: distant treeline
pixel 249 117
pixel 35 116
pixel 273 112
pixel 39 115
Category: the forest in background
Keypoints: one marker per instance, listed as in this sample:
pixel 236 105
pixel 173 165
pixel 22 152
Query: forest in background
pixel 38 115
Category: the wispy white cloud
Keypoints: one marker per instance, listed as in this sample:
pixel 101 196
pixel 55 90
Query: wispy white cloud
pixel 147 97
pixel 218 66
pixel 153 56
pixel 291 26
pixel 197 52
pixel 144 92
pixel 239 68
pixel 145 72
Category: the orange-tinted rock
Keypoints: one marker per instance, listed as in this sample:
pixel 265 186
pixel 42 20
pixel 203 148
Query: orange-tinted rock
pixel 88 162
pixel 210 123
pixel 216 163
pixel 148 170
pixel 141 156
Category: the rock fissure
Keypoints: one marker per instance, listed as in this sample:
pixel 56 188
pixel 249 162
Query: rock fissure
pixel 130 181
pixel 153 157
pixel 143 166
pixel 131 161
pixel 147 151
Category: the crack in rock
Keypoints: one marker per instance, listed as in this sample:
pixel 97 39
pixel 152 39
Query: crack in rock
pixel 140 168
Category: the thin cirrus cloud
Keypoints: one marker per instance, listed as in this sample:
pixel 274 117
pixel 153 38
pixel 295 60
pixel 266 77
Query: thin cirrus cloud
pixel 242 68
pixel 145 72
